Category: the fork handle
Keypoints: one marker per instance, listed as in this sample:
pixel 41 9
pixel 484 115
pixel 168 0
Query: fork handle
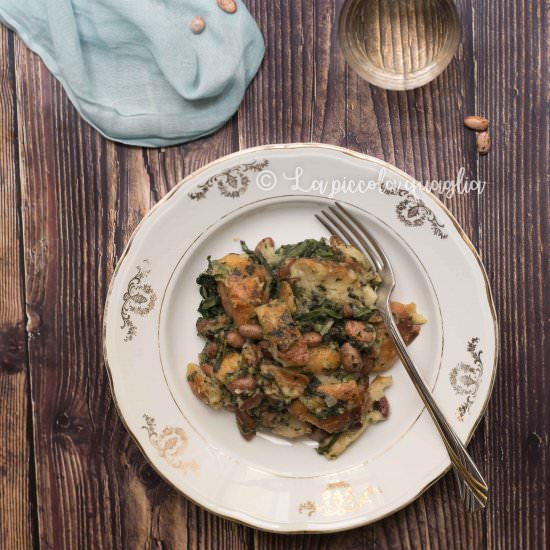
pixel 474 490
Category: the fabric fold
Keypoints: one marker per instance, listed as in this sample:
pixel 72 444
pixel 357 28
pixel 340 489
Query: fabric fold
pixel 135 70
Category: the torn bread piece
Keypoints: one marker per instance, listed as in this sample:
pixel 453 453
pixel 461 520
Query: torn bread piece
pixel 333 446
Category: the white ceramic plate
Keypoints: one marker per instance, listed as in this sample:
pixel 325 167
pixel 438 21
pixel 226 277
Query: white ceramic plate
pixel 150 336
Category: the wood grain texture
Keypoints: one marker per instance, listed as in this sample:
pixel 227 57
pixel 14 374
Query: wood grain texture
pixel 69 201
pixel 16 476
pixel 94 488
pixel 514 231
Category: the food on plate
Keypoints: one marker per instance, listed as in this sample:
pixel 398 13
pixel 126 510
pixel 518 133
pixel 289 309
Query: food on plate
pixel 295 343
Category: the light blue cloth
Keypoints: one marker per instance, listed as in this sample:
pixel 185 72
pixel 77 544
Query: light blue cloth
pixel 134 69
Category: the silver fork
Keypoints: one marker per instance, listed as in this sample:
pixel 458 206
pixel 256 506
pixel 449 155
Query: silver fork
pixel 345 225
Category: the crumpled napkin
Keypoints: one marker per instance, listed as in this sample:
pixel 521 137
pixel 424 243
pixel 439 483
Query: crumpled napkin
pixel 135 70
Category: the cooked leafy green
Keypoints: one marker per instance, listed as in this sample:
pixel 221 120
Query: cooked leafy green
pixel 211 305
pixel 318 314
pixel 327 443
pixel 364 314
pixel 310 248
pixel 259 259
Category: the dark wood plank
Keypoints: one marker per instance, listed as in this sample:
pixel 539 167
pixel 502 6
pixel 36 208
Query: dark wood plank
pixel 95 490
pixel 63 221
pixel 299 93
pixel 16 490
pixel 511 46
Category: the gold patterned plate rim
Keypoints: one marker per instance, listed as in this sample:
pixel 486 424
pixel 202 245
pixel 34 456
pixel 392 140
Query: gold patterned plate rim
pixel 166 442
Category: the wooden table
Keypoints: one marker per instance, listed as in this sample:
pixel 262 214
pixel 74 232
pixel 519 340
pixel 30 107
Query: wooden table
pixel 70 476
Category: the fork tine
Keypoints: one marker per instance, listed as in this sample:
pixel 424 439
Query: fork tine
pixel 366 232
pixel 362 235
pixel 344 235
pixel 329 227
pixel 334 229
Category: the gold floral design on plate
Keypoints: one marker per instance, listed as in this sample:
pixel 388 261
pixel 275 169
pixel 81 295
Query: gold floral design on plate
pixel 466 379
pixel 413 211
pixel 231 183
pixel 139 298
pixel 338 500
pixel 308 507
pixel 170 444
